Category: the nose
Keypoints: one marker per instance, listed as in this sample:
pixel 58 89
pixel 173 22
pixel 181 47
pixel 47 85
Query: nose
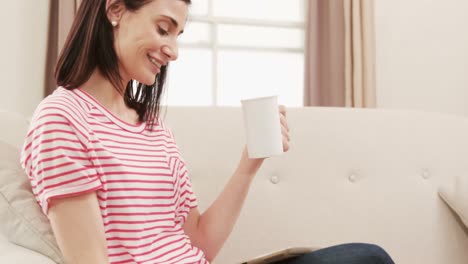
pixel 171 51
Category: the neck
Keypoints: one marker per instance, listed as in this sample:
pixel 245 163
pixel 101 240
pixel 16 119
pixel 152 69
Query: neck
pixel 103 91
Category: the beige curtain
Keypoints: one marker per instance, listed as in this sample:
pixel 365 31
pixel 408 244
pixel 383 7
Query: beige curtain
pixel 340 53
pixel 61 15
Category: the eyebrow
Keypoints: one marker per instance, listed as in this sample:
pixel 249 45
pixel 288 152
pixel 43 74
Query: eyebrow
pixel 174 22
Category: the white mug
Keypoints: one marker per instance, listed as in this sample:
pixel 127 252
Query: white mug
pixel 262 127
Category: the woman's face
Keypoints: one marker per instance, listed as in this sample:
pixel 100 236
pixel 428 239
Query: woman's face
pixel 146 39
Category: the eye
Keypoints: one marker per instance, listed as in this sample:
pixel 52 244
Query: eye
pixel 162 31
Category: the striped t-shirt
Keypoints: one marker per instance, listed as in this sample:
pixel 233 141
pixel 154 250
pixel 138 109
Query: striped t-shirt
pixel 75 146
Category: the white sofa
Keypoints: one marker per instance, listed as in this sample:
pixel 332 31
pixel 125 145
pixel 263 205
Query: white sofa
pixel 351 175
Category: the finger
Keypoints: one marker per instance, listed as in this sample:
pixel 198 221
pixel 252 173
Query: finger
pixel 285 145
pixel 284 122
pixel 285 133
pixel 282 109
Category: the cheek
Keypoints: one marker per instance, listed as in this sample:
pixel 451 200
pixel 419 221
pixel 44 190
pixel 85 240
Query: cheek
pixel 129 50
pixel 123 47
pixel 136 46
pixel 152 40
pixel 132 48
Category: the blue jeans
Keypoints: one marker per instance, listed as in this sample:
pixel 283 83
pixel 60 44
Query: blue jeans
pixel 355 253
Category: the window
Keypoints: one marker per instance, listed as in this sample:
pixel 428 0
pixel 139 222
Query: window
pixel 239 49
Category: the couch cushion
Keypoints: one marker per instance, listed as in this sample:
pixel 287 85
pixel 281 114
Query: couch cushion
pixel 23 222
pixel 11 253
pixel 456 196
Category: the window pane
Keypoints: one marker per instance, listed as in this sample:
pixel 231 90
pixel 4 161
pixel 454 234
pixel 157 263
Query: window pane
pixel 190 78
pixel 199 7
pixel 253 36
pixel 284 10
pixel 196 32
pixel 244 74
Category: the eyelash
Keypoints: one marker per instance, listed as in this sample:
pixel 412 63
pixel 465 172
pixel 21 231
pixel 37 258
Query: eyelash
pixel 162 31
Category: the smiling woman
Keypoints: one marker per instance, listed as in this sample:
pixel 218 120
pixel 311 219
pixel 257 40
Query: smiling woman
pixel 104 167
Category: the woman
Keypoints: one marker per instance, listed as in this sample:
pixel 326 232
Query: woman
pixel 105 169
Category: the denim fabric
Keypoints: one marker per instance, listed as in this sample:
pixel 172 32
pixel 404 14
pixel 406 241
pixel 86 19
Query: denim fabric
pixel 355 253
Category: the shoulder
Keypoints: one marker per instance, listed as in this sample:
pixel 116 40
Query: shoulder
pixel 59 112
pixel 57 121
pixel 62 105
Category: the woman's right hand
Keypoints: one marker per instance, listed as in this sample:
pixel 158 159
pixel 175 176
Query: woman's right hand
pixel 250 166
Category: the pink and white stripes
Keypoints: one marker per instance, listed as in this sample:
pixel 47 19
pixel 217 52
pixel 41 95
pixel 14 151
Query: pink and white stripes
pixel 76 146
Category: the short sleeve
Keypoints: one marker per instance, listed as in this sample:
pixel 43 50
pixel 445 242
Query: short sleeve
pixel 185 197
pixel 55 157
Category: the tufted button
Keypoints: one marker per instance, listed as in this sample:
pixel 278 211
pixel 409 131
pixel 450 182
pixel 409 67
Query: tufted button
pixel 426 174
pixel 274 179
pixel 352 177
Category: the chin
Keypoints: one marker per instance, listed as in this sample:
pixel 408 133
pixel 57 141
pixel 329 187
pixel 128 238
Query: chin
pixel 148 80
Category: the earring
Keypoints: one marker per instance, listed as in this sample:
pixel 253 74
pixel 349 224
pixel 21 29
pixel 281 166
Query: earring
pixel 114 23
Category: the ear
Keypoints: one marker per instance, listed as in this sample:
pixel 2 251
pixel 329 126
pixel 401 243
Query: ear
pixel 115 11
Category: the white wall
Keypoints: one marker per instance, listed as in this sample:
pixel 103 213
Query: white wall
pixel 23 26
pixel 422 55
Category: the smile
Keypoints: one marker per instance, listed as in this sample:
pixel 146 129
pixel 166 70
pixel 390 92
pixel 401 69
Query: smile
pixel 152 60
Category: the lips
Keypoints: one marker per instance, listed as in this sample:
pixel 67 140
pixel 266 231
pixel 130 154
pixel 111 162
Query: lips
pixel 154 61
pixel 155 64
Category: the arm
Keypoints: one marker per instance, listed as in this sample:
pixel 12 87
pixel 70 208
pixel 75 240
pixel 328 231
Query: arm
pixel 77 225
pixel 209 231
pixel 55 157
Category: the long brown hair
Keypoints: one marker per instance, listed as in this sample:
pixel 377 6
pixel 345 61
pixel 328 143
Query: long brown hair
pixel 90 45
